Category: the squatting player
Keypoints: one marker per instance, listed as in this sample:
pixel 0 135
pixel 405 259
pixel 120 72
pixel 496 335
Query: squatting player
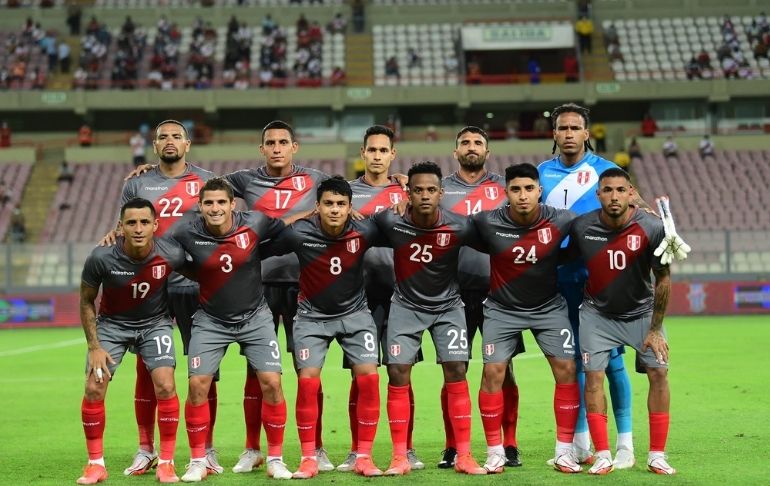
pixel 426 242
pixel 332 305
pixel 523 239
pixel 132 313
pixel 621 307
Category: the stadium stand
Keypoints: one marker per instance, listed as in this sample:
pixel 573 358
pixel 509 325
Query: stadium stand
pixel 208 3
pixel 15 176
pixel 23 65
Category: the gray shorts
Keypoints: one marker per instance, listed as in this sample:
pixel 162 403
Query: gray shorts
pixel 405 328
pixel 600 334
pixel 503 331
pixel 182 305
pixel 356 333
pixel 210 339
pixel 154 343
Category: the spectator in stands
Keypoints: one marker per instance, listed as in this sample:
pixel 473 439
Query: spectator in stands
pixel 622 159
pixel 752 32
pixel 634 149
pixel 571 68
pixel 268 25
pixel 5 135
pixel 585 29
pixel 533 67
pixel 649 125
pixel 359 18
pixel 730 67
pixel 74 14
pixel 704 59
pixel 614 53
pixel 511 129
pixel 302 24
pixel 599 133
pixel 611 35
pixel 541 127
pixel 37 76
pixel 391 68
pixel 724 51
pixel 706 147
pixel 18 71
pixel 764 25
pixel 18 225
pixel 85 136
pixel 760 50
pixel 451 64
pixel 693 70
pixel 670 148
pixel 727 26
pixel 337 25
pixel 79 78
pixel 66 174
pixel 584 8
pixel 64 57
pixel 265 76
pixel 48 47
pixel 414 59
pixel 431 135
pixel 138 144
pixel 338 77
pixel 5 197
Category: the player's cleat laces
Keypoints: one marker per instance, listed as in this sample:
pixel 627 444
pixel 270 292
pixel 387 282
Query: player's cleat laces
pixel 447 458
pixel 602 464
pixel 414 462
pixel 658 464
pixel 466 464
pixel 495 463
pixel 143 462
pixel 365 467
pixel 324 464
pixel 399 466
pixel 196 472
pixel 249 459
pixel 277 469
pixel 212 462
pixel 624 459
pixel 166 473
pixel 566 462
pixel 92 474
pixel 308 468
pixel 349 463
pixel 512 456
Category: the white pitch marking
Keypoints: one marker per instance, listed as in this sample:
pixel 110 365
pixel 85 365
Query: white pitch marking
pixel 42 347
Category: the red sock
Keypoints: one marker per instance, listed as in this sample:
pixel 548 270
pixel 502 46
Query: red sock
pixel 168 422
pixel 368 411
pixel 566 402
pixel 597 425
pixel 274 421
pixel 319 442
pixel 658 430
pixel 410 428
pixel 510 414
pixel 212 414
pixel 448 432
pixel 353 414
pixel 94 419
pixel 458 401
pixel 144 406
pixel 252 410
pixel 491 409
pixel 196 418
pixel 307 414
pixel 398 417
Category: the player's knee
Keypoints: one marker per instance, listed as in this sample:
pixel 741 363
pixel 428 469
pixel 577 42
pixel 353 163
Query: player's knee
pixel 199 388
pixel 594 382
pixel 271 387
pixel 616 364
pixel 364 369
pixel 454 371
pixel 398 375
pixel 165 388
pixel 492 377
pixel 564 370
pixel 95 391
pixel 658 377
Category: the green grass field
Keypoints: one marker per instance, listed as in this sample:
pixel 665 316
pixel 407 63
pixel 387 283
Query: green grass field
pixel 719 426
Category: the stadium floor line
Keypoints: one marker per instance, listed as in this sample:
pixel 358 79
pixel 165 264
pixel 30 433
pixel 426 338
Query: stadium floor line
pixel 42 347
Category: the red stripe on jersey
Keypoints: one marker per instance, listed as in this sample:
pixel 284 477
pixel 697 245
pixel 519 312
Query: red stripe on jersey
pixel 487 196
pixel 225 261
pixel 281 198
pixel 321 273
pixel 607 264
pixel 510 264
pixel 424 249
pixel 390 195
pixel 151 279
pixel 179 199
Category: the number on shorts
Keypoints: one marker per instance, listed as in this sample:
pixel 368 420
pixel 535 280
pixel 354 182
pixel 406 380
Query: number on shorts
pixel 335 266
pixel 520 258
pixel 369 343
pixel 276 352
pixel 164 340
pixel 569 341
pixel 282 197
pixel 138 288
pixel 228 265
pixel 617 259
pixel 457 337
pixel 166 203
pixel 421 253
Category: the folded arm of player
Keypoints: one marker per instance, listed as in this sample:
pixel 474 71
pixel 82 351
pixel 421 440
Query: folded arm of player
pixel 673 246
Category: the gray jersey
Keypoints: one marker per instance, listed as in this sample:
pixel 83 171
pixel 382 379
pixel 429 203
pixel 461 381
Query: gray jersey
pixel 133 292
pixel 278 197
pixel 175 200
pixel 368 200
pixel 466 199
pixel 523 258
pixel 426 259
pixel 619 262
pixel 331 280
pixel 228 267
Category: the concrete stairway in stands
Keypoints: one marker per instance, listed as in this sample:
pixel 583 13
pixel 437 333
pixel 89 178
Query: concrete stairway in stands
pixel 358 59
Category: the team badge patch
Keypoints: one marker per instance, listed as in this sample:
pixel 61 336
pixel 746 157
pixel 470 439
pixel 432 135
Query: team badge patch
pixel 586 358
pixel 395 197
pixel 195 362
pixel 489 349
pixel 583 177
pixel 242 241
pixel 544 235
pixel 353 245
pixel 492 193
pixel 298 182
pixel 303 354
pixel 633 242
pixel 158 272
pixel 442 239
pixel 395 349
pixel 192 187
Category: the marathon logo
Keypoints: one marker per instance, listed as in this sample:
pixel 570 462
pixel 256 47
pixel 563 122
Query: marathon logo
pixel 595 238
pixel 443 239
pixel 401 230
pixel 298 182
pixel 205 243
pixel 121 272
pixel 242 240
pixel 155 188
pixel 507 235
pixel 353 245
pixel 192 188
pixel 158 272
pixel 314 245
pixel 544 235
pixel 633 242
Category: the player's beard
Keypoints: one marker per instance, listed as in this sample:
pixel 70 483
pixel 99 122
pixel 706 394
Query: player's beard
pixel 170 159
pixel 470 164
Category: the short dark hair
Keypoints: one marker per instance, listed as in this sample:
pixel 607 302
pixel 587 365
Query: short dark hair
pixel 379 130
pixel 172 122
pixel 279 125
pixel 217 184
pixel 337 185
pixel 425 167
pixel 570 108
pixel 472 129
pixel 615 172
pixel 521 170
pixel 137 203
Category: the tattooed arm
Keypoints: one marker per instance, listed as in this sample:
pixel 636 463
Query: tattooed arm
pixel 655 338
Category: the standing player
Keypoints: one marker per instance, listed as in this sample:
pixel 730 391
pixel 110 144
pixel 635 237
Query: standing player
pixel 523 239
pixel 570 181
pixel 621 307
pixel 373 192
pixel 332 305
pixel 426 242
pixel 223 245
pixel 132 312
pixel 470 190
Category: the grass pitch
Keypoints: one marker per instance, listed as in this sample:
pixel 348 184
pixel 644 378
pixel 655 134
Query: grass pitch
pixel 719 426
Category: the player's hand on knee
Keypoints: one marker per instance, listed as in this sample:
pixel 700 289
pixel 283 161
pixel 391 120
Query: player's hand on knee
pixel 110 238
pixel 98 360
pixel 139 171
pixel 657 342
